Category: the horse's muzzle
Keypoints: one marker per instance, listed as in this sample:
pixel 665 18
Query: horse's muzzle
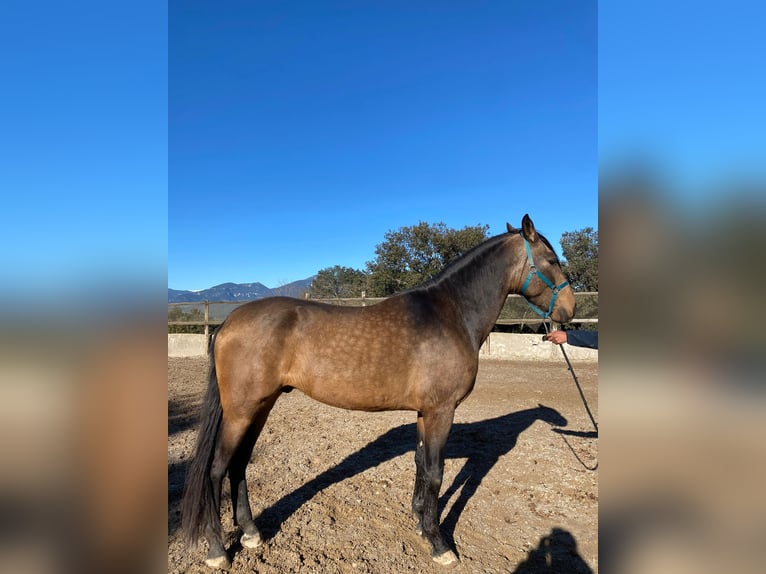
pixel 565 307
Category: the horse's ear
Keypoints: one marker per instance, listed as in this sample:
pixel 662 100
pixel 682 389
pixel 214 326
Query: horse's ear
pixel 511 228
pixel 528 229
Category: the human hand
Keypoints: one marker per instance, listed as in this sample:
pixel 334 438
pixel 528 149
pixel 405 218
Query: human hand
pixel 557 337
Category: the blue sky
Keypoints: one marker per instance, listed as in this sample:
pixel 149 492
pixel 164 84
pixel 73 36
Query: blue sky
pixel 83 143
pixel 300 132
pixel 682 88
pixel 294 141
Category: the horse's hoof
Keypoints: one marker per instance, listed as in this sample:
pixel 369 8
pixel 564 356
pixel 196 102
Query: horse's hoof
pixel 219 562
pixel 448 559
pixel 251 540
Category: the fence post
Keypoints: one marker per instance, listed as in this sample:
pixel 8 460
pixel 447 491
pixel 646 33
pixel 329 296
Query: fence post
pixel 207 316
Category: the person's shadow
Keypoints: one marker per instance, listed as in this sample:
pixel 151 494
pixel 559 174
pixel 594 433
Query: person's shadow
pixel 481 443
pixel 556 553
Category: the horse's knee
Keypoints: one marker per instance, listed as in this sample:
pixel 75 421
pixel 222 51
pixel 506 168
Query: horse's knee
pixel 434 481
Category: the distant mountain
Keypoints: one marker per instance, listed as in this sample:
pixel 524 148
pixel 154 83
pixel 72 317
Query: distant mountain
pixel 294 289
pixel 239 292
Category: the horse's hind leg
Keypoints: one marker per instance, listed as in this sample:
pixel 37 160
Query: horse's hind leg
pixel 230 435
pixel 243 516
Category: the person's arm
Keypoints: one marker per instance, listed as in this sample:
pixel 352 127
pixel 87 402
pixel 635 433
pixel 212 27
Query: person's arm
pixel 579 338
pixel 574 337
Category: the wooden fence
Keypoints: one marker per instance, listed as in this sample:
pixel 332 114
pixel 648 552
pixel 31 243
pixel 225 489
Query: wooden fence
pixel 515 310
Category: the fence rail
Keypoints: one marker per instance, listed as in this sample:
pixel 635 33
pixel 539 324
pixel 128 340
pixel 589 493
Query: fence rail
pixel 515 310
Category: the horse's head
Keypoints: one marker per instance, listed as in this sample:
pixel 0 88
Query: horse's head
pixel 550 416
pixel 543 283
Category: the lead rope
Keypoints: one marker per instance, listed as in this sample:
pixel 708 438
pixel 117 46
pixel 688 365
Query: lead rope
pixel 574 376
pixel 561 432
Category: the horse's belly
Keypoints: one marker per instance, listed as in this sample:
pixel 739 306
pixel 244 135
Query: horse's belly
pixel 356 399
pixel 357 385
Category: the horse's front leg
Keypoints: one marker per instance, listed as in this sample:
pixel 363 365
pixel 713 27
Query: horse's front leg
pixel 436 427
pixel 418 495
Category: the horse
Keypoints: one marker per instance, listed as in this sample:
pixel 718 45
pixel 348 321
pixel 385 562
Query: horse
pixel 417 350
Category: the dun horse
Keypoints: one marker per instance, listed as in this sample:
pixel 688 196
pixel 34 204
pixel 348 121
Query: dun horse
pixel 417 350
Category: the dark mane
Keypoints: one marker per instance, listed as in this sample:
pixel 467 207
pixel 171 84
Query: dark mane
pixel 472 256
pixel 548 244
pixel 468 259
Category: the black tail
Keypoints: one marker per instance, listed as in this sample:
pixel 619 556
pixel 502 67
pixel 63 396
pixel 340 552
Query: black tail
pixel 198 507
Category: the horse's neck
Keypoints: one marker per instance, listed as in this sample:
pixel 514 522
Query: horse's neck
pixel 479 289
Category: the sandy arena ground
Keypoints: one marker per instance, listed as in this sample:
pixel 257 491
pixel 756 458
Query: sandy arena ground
pixel 331 488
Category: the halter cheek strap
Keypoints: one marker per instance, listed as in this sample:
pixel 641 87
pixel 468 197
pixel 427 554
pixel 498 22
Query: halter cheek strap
pixel 532 272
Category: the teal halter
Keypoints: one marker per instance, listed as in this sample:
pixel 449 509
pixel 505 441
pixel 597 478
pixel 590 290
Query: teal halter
pixel 532 272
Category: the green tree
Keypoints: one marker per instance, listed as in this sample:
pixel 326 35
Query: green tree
pixel 580 249
pixel 411 255
pixel 338 281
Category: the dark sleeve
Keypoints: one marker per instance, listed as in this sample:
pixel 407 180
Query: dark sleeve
pixel 583 338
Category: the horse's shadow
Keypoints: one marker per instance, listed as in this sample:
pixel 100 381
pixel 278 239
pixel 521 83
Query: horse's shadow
pixel 481 443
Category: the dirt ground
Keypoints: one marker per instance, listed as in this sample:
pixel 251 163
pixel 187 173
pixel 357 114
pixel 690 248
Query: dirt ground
pixel 331 488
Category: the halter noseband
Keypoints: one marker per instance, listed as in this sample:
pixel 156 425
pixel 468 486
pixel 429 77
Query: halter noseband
pixel 532 272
